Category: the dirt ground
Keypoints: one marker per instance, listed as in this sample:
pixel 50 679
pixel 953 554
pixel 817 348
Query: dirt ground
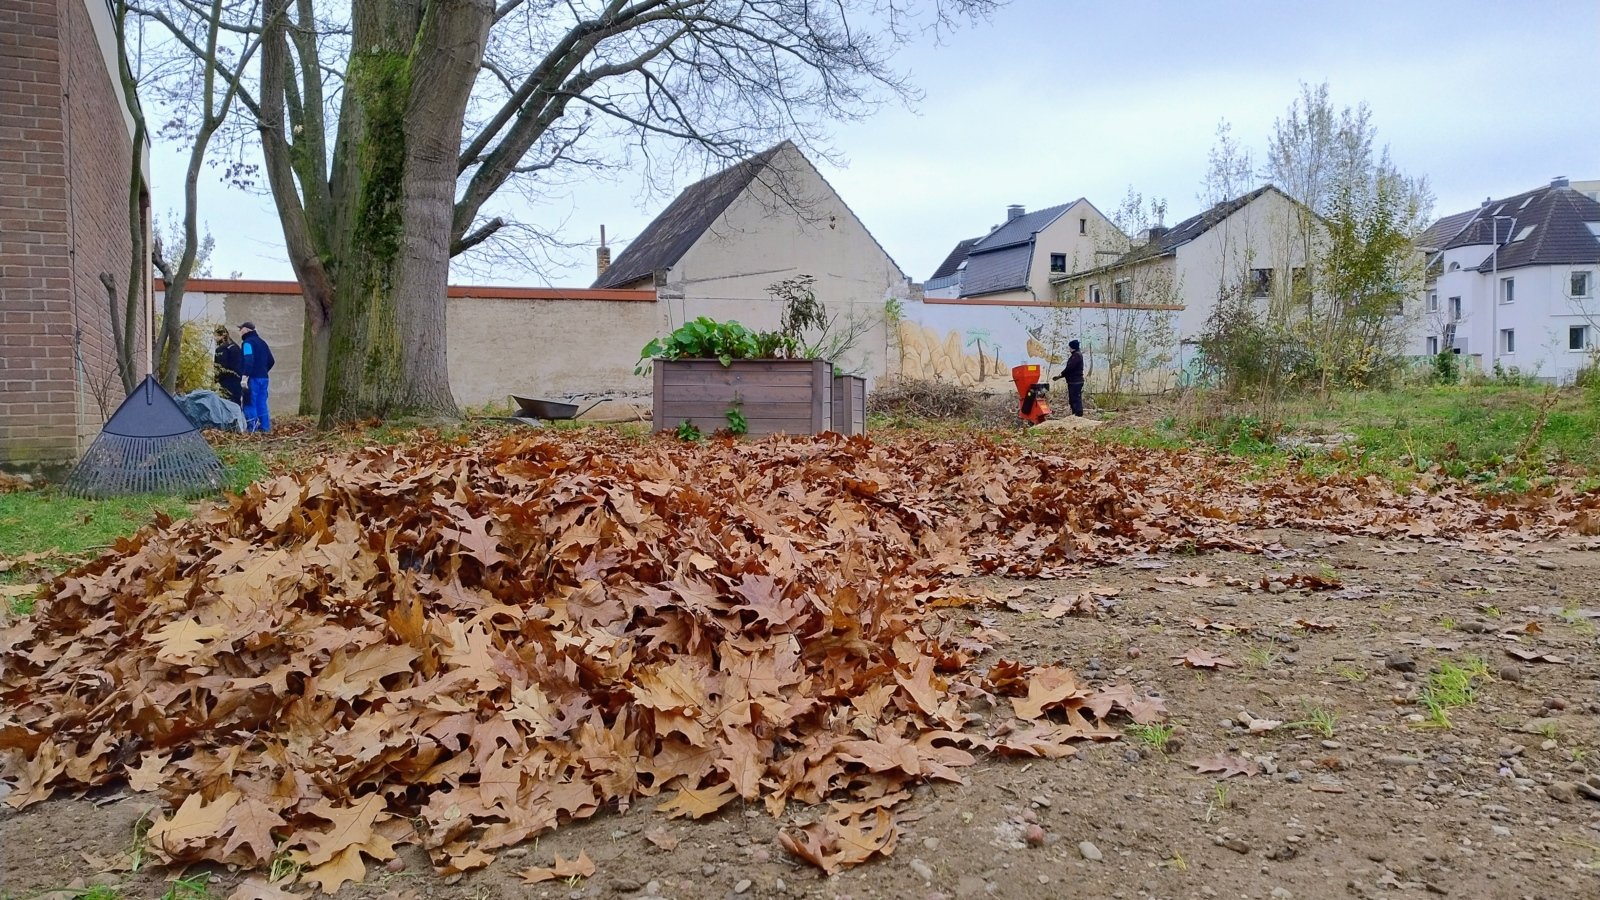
pixel 1386 806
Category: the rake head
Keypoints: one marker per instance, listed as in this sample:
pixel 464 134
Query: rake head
pixel 148 447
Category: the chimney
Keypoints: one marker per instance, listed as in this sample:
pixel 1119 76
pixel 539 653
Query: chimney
pixel 1560 181
pixel 1156 231
pixel 1014 211
pixel 602 256
pixel 1486 202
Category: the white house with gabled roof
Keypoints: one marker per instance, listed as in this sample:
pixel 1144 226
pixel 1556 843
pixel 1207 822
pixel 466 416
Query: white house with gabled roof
pixel 1514 283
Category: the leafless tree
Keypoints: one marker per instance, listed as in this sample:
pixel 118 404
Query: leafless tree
pixel 393 132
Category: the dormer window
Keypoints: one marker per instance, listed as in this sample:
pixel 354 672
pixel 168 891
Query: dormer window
pixel 1455 267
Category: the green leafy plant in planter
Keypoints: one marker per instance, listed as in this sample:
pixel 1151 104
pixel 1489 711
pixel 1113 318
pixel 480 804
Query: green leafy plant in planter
pixel 706 338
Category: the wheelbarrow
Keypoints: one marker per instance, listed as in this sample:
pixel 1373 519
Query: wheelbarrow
pixel 549 409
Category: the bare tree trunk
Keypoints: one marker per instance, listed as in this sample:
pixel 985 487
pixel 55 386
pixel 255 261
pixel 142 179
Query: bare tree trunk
pixel 405 104
pixel 125 320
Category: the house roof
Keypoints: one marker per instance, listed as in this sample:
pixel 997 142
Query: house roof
pixel 1005 269
pixel 1548 226
pixel 999 261
pixel 670 235
pixel 952 263
pixel 1443 231
pixel 1194 226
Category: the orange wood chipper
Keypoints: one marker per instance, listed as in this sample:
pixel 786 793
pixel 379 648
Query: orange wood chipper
pixel 1034 409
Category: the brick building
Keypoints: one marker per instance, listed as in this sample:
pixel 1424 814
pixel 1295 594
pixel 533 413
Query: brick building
pixel 65 159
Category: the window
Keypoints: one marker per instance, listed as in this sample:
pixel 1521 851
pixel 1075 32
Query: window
pixel 1450 337
pixel 1508 290
pixel 1058 262
pixel 1094 293
pixel 1261 282
pixel 1083 226
pixel 1582 284
pixel 1455 309
pixel 1122 291
pixel 1578 337
pixel 1523 234
pixel 1433 346
pixel 1508 340
pixel 1455 267
pixel 1433 301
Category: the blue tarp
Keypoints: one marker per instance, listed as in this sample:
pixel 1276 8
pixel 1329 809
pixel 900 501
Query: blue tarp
pixel 208 409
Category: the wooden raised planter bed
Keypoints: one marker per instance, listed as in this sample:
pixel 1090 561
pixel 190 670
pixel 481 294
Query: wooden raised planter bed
pixel 789 396
pixel 850 404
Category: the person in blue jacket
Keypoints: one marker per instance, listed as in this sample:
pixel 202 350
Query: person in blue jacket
pixel 255 362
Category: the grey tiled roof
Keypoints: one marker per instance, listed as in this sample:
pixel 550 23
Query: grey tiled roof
pixel 1560 233
pixel 1192 227
pixel 1021 229
pixel 1005 269
pixel 670 235
pixel 999 261
pixel 1443 231
pixel 953 261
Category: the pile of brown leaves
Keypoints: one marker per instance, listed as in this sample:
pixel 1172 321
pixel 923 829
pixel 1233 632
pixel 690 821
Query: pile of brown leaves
pixel 493 638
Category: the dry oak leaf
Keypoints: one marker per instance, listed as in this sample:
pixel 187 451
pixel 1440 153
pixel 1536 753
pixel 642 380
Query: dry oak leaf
pixel 349 675
pixel 258 888
pixel 582 867
pixel 1203 659
pixel 662 839
pixel 698 803
pixel 193 823
pixel 352 828
pixel 1227 766
pixel 249 825
pixel 1535 656
pixel 181 640
pixel 345 866
pixel 1047 686
pixel 835 845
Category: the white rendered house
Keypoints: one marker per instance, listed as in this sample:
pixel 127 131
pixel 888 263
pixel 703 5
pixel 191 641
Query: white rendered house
pixel 1514 282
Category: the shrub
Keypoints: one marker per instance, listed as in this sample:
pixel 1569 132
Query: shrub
pixel 1446 367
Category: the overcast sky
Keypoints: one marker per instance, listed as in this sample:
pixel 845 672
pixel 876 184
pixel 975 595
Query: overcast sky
pixel 1056 99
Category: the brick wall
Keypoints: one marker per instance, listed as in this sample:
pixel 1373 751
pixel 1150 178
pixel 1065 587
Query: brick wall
pixel 64 161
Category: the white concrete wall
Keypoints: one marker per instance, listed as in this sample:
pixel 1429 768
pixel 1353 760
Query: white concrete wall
pixel 789 223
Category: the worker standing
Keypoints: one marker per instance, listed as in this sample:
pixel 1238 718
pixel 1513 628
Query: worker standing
pixel 1073 375
pixel 256 361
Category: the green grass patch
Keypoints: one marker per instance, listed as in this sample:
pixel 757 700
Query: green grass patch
pixel 1452 686
pixel 1154 736
pixel 51 521
pixel 1506 437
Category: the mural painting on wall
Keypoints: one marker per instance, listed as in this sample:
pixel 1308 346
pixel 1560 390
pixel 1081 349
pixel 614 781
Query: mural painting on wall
pixel 977 346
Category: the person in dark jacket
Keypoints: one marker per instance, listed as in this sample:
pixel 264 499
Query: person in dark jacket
pixel 255 362
pixel 228 358
pixel 1073 375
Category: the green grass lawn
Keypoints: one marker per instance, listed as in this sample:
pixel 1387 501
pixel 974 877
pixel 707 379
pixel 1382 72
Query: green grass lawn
pixel 1505 436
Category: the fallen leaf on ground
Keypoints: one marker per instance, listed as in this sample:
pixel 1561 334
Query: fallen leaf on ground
pixel 662 839
pixel 1225 765
pixel 1535 656
pixel 581 867
pixel 1203 659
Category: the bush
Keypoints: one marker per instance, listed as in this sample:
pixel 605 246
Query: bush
pixel 1446 367
pixel 196 362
